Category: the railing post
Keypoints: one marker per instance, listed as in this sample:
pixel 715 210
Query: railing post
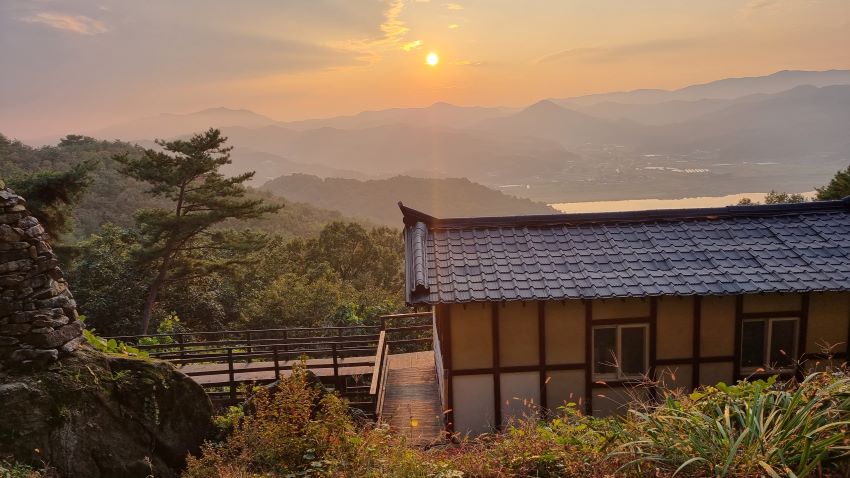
pixel 336 369
pixel 285 343
pixel 249 348
pixel 276 363
pixel 181 340
pixel 383 323
pixel 230 374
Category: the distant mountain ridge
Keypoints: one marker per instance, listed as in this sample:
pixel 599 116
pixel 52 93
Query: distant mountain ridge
pixel 167 125
pixel 375 200
pixel 727 88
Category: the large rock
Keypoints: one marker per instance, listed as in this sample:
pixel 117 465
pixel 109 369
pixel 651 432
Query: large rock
pixel 96 415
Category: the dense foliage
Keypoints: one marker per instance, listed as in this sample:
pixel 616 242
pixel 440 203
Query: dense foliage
pixel 838 187
pixel 314 268
pixel 756 428
pixel 112 197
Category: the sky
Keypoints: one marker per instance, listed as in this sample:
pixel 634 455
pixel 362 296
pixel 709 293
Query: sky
pixel 77 65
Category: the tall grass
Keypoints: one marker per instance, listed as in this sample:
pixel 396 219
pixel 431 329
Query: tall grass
pixel 759 428
pixel 753 428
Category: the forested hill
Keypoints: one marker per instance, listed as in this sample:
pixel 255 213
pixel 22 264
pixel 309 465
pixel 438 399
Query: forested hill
pixel 375 200
pixel 114 198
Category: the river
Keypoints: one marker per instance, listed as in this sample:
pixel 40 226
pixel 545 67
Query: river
pixel 645 204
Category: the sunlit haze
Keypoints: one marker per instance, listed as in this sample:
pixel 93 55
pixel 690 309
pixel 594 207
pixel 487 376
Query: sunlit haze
pixel 80 65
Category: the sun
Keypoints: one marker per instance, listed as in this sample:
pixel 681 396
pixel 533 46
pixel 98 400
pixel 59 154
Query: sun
pixel 432 59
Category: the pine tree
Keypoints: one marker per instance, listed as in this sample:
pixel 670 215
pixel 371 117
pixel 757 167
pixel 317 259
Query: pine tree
pixel 838 187
pixel 52 195
pixel 179 242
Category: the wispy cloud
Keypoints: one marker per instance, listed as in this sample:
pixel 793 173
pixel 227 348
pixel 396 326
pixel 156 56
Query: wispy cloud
pixel 754 7
pixel 454 26
pixel 619 52
pixel 453 6
pixel 466 63
pixel 393 30
pixel 80 24
pixel 414 45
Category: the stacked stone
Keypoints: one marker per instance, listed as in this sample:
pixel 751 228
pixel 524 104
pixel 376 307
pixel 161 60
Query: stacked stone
pixel 38 316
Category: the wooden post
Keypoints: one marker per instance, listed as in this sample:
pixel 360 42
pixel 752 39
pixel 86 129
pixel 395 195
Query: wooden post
pixel 336 368
pixel 276 363
pixel 383 323
pixel 541 349
pixel 249 348
pixel 181 340
pixel 588 356
pixel 497 373
pixel 230 373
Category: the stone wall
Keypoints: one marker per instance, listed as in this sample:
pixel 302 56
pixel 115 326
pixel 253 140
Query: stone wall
pixel 38 316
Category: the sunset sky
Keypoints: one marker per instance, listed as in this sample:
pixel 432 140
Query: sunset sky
pixel 69 66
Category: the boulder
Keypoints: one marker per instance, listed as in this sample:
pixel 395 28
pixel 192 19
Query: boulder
pixel 97 415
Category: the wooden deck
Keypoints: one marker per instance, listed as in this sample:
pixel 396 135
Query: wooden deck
pixel 412 398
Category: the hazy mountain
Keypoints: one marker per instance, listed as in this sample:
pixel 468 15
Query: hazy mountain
pixel 795 125
pixel 167 125
pixel 268 166
pixel 665 112
pixel 727 88
pixel 438 115
pixel 406 149
pixel 375 200
pixel 547 120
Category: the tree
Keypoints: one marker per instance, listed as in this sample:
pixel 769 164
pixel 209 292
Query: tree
pixel 76 140
pixel 109 285
pixel 52 195
pixel 175 241
pixel 838 187
pixel 774 197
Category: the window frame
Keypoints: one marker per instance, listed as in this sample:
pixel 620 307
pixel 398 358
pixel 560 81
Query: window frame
pixel 766 367
pixel 618 374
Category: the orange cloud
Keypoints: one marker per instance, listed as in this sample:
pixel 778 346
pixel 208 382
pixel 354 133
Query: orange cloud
pixel 80 24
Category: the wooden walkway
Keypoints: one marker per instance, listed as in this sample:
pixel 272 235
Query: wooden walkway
pixel 412 401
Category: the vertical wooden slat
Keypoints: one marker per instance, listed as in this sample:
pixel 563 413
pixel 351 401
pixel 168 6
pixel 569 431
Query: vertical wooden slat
pixel 541 345
pixel 497 386
pixel 696 350
pixel 653 341
pixel 801 336
pixel 588 356
pixel 736 351
pixel 446 342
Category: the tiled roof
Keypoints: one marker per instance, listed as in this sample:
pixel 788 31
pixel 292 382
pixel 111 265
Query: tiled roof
pixel 717 251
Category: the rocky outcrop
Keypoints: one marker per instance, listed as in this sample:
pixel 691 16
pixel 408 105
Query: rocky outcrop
pixel 79 412
pixel 38 316
pixel 95 415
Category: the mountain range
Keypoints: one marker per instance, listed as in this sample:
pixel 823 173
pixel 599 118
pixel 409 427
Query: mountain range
pixel 788 130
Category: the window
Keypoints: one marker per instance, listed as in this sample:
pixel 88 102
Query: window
pixel 620 351
pixel 769 344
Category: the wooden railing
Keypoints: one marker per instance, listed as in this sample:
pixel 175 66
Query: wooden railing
pixel 352 360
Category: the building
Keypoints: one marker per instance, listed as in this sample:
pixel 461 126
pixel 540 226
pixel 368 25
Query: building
pixel 550 309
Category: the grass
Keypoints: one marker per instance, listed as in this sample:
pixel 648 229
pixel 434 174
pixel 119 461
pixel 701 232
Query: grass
pixel 759 428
